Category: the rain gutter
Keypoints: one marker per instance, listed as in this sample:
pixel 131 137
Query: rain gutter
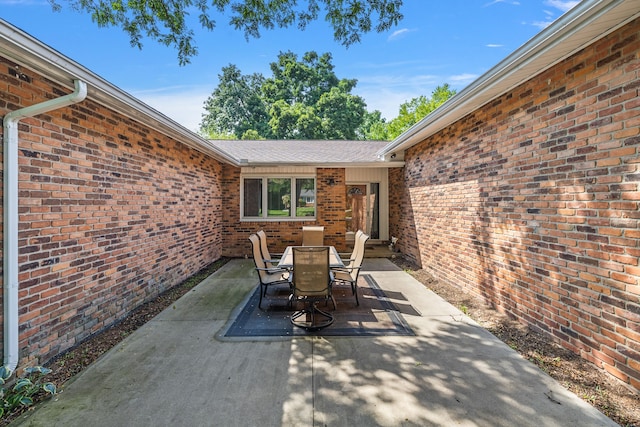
pixel 10 162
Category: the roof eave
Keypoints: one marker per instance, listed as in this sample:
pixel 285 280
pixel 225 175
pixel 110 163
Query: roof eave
pixel 333 165
pixel 564 37
pixel 26 51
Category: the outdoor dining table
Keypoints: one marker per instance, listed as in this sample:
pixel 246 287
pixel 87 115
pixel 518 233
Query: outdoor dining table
pixel 287 258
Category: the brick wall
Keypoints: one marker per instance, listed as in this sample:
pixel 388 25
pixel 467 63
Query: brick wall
pixel 532 202
pixel 330 209
pixel 111 214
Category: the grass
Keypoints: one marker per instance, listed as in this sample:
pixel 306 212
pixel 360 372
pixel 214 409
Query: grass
pixel 303 211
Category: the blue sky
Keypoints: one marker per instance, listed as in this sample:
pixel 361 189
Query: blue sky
pixel 453 41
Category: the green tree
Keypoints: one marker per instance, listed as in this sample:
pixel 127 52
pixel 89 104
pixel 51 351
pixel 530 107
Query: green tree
pixel 303 99
pixel 167 21
pixel 373 127
pixel 297 121
pixel 418 108
pixel 235 106
pixel 308 100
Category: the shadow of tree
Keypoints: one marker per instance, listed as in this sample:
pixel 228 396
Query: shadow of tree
pixel 455 375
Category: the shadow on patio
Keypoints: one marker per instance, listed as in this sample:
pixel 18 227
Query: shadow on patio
pixel 173 371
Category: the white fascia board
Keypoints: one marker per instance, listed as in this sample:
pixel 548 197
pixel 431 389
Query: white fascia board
pixel 26 51
pixel 332 165
pixel 587 22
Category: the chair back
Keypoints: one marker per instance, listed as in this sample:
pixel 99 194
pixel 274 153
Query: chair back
pixel 257 255
pixel 312 236
pixel 356 248
pixel 311 275
pixel 264 248
pixel 359 248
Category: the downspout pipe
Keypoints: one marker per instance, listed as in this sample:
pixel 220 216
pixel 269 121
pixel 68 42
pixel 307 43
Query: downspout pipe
pixel 10 161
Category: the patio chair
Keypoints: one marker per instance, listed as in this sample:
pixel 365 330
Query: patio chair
pixel 354 254
pixel 312 235
pixel 264 249
pixel 267 276
pixel 311 283
pixel 349 274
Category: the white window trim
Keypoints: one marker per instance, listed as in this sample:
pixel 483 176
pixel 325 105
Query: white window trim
pixel 265 178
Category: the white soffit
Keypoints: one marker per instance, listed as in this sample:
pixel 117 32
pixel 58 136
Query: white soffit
pixel 581 26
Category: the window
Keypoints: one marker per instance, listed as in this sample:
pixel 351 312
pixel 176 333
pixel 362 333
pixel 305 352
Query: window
pixel 278 198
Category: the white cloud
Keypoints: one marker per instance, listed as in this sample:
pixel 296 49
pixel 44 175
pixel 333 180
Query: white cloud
pixel 493 45
pixel 385 92
pixel 386 101
pixel 515 3
pixel 398 34
pixel 563 5
pixel 182 104
pixel 541 24
pixel 462 79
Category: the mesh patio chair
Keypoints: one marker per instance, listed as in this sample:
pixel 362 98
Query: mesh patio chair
pixel 269 261
pixel 349 274
pixel 311 283
pixel 312 235
pixel 267 276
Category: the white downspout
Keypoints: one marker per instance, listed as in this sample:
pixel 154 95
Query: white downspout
pixel 10 136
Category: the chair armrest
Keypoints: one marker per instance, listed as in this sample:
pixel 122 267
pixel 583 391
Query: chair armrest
pixel 273 270
pixel 345 269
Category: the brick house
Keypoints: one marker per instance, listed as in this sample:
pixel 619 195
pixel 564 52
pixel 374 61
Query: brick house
pixel 523 188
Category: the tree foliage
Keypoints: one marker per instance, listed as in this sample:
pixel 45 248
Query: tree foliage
pixel 303 99
pixel 413 111
pixel 236 105
pixel 167 21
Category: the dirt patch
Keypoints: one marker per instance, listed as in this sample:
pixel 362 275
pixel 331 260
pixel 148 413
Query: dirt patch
pixel 610 396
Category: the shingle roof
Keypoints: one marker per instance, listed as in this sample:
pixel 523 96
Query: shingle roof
pixel 303 152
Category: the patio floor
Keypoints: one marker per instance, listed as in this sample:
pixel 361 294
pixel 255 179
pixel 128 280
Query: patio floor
pixel 174 371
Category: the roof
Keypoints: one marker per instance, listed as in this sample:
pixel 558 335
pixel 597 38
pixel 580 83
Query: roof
pixel 336 153
pixel 587 22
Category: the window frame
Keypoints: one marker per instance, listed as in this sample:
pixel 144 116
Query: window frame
pixel 293 179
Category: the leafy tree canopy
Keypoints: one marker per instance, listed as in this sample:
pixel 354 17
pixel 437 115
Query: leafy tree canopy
pixel 413 111
pixel 236 106
pixel 167 21
pixel 303 99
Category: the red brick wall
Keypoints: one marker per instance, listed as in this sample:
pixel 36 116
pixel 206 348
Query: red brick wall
pixel 532 202
pixel 330 211
pixel 111 214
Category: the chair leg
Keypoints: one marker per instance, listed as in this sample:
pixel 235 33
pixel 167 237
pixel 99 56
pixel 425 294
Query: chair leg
pixel 310 313
pixel 354 289
pixel 260 303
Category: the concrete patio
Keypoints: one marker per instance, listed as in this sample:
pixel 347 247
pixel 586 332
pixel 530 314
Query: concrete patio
pixel 174 371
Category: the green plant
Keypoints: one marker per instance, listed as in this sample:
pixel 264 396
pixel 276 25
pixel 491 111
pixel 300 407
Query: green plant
pixel 20 393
